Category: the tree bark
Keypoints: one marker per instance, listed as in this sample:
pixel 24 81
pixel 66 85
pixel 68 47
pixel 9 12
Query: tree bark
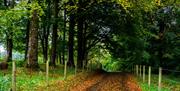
pixel 12 3
pixel 9 37
pixel 84 45
pixel 9 46
pixel 27 40
pixel 48 28
pixel 71 39
pixel 80 32
pixel 54 34
pixel 5 3
pixel 160 41
pixel 33 42
pixel 64 38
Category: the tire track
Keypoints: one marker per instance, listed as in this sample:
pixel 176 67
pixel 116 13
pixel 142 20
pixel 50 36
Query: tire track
pixel 105 81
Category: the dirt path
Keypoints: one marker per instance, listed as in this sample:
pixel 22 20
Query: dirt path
pixel 103 81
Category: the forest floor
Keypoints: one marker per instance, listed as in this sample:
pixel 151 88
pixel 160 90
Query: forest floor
pixel 96 81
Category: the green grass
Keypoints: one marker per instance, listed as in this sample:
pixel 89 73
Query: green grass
pixel 145 87
pixel 29 81
pixel 169 83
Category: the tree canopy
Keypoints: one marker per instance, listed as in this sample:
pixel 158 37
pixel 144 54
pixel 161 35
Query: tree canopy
pixel 117 31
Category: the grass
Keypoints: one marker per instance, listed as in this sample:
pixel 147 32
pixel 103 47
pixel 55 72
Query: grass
pixel 169 83
pixel 30 80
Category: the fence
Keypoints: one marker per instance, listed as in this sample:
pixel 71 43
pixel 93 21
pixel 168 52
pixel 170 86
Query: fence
pixel 141 71
pixel 13 83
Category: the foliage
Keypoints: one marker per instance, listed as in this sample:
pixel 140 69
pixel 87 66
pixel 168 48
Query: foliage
pixel 4 83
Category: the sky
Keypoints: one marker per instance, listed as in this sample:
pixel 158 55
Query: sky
pixel 2 49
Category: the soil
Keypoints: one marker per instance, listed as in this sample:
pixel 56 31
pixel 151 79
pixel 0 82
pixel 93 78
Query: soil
pixel 95 81
pixel 106 81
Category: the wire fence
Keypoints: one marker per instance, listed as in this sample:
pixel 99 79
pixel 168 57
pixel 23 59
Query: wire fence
pixel 158 77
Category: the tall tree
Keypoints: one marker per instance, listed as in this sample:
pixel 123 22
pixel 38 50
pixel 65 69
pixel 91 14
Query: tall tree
pixel 5 3
pixel 33 42
pixel 44 36
pixel 80 21
pixel 9 38
pixel 47 30
pixel 54 34
pixel 64 37
pixel 71 38
pixel 27 36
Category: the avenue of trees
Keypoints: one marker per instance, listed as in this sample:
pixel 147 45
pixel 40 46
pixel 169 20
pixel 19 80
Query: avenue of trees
pixel 77 31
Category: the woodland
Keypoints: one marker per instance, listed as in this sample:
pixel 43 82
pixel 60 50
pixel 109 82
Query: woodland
pixel 86 41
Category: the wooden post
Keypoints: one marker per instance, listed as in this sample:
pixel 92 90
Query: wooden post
pixel 13 76
pixel 47 73
pixel 160 78
pixel 149 76
pixel 140 71
pixel 143 73
pixel 65 70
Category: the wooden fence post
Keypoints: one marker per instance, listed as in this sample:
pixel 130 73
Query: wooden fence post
pixel 160 78
pixel 149 76
pixel 144 73
pixel 47 73
pixel 13 76
pixel 65 70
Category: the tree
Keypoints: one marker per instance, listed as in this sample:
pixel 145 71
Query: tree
pixel 9 40
pixel 33 40
pixel 71 37
pixel 54 34
pixel 45 30
pixel 64 36
pixel 80 22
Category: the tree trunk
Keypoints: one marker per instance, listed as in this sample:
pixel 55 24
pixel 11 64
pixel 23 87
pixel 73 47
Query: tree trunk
pixel 64 38
pixel 47 32
pixel 12 3
pixel 27 40
pixel 84 46
pixel 60 58
pixel 54 34
pixel 80 37
pixel 9 46
pixel 9 40
pixel 5 3
pixel 71 39
pixel 33 42
pixel 42 38
pixel 27 36
pixel 160 41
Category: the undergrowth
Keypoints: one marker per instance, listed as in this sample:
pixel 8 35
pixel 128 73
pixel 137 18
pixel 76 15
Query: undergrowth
pixel 27 80
pixel 169 83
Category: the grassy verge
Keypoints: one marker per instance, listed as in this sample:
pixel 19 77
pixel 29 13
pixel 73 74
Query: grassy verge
pixel 169 83
pixel 30 80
